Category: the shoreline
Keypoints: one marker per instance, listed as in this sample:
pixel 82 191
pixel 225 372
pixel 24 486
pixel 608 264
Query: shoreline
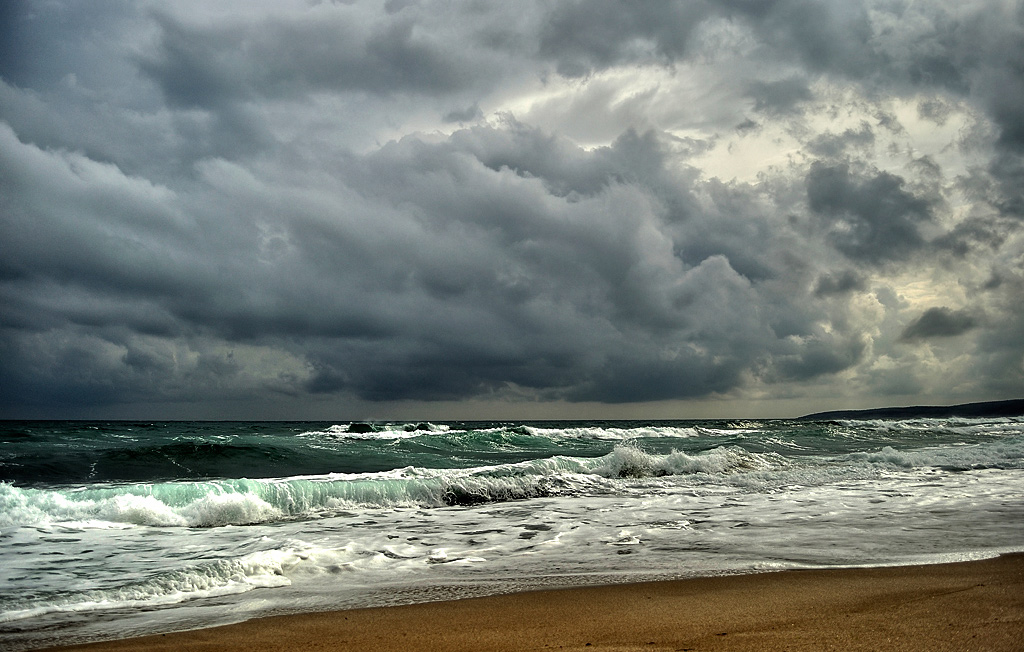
pixel 956 606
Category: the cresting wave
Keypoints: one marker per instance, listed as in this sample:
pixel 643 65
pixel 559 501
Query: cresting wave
pixel 242 501
pixel 360 430
pixel 248 501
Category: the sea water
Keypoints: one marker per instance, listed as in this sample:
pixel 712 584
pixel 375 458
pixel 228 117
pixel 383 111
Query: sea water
pixel 114 529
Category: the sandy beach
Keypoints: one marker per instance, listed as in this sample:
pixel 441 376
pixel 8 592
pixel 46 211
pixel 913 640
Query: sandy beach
pixel 975 605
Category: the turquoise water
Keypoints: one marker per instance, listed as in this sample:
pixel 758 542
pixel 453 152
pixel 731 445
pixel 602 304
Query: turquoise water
pixel 110 529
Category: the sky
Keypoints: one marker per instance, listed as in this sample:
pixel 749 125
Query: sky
pixel 458 209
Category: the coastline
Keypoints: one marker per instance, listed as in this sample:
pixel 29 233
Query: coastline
pixel 957 606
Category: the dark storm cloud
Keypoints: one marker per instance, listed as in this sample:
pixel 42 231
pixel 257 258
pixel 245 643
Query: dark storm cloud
pixel 999 345
pixel 939 322
pixel 838 283
pixel 469 114
pixel 870 216
pixel 996 35
pixel 583 36
pixel 562 244
pixel 36 40
pixel 829 145
pixel 585 269
pixel 935 110
pixel 200 204
pixel 13 46
pixel 204 66
pixel 833 37
pixel 1008 169
pixel 822 356
pixel 975 234
pixel 783 96
pixel 451 269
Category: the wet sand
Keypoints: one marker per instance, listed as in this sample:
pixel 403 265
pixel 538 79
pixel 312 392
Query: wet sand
pixel 964 606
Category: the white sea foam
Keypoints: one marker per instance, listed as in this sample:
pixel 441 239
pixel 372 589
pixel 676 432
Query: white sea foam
pixel 378 431
pixel 342 432
pixel 628 461
pixel 128 506
pixel 229 509
pixel 614 433
pixel 1007 454
pixel 931 426
pixel 223 577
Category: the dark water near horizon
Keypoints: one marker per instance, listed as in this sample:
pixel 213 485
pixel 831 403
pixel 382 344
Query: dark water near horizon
pixel 110 529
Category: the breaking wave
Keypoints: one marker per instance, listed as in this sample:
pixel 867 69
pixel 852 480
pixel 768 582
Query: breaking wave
pixel 223 502
pixel 248 501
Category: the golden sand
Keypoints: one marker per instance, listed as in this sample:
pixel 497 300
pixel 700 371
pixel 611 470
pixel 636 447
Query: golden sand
pixel 975 605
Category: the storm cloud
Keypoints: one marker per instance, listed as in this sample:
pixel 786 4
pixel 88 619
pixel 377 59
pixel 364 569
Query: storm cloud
pixel 372 209
pixel 939 322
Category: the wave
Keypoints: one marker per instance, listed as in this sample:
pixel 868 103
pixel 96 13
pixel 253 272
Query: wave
pixel 223 502
pixel 614 433
pixel 631 462
pixel 248 501
pixel 966 425
pixel 293 560
pixel 223 577
pixel 1004 454
pixel 362 430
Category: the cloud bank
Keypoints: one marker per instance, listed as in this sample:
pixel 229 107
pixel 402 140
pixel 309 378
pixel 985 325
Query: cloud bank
pixel 370 209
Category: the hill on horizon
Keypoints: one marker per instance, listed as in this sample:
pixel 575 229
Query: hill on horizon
pixel 1008 408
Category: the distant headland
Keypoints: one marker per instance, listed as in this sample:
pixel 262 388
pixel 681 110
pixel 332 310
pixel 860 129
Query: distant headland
pixel 1010 408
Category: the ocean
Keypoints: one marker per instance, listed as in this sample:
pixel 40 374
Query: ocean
pixel 115 529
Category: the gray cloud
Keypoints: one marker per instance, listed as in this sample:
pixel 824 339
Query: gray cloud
pixel 583 36
pixel 935 110
pixel 497 265
pixel 821 356
pixel 829 145
pixel 469 114
pixel 999 344
pixel 835 37
pixel 354 204
pixel 939 322
pixel 838 283
pixel 869 216
pixel 975 234
pixel 340 48
pixel 779 97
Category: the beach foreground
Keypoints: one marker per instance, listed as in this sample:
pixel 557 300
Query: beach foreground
pixel 976 605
